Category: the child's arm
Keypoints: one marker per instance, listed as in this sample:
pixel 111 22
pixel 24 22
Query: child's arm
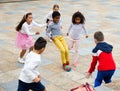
pixel 93 64
pixel 48 32
pixel 47 16
pixel 29 70
pixel 85 31
pixel 25 28
pixel 39 25
pixel 92 67
pixel 69 30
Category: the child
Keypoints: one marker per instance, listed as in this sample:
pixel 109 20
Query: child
pixel 74 33
pixel 103 54
pixel 48 17
pixel 54 33
pixel 24 40
pixel 30 77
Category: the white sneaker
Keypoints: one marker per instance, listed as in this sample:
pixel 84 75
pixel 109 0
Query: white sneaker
pixel 50 40
pixel 20 60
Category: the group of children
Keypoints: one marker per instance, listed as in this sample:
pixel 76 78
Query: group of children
pixel 30 77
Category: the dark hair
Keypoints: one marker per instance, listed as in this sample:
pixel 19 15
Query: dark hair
pixel 99 36
pixel 40 43
pixel 80 15
pixel 55 5
pixel 19 26
pixel 55 13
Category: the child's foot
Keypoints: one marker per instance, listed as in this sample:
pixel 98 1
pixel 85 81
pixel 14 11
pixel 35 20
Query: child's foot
pixel 75 63
pixel 20 60
pixel 67 68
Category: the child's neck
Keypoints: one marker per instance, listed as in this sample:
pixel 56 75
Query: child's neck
pixel 37 51
pixel 99 42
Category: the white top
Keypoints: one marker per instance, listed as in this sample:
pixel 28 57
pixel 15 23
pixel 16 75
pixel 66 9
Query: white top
pixel 49 16
pixel 27 29
pixel 29 71
pixel 75 30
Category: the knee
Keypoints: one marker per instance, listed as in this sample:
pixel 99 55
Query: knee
pixel 62 50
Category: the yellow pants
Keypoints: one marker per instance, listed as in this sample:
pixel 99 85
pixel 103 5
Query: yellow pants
pixel 62 46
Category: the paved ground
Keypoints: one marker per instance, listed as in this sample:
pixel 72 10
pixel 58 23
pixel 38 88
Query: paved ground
pixel 101 15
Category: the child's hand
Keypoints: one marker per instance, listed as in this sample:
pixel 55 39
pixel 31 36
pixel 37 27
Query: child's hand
pixel 86 36
pixel 52 38
pixel 37 33
pixel 67 34
pixel 88 75
pixel 37 79
pixel 39 76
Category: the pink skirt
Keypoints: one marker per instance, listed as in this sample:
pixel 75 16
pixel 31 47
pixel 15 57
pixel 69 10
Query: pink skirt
pixel 24 41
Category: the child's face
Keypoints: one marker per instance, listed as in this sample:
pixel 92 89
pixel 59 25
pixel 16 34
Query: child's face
pixel 56 19
pixel 56 9
pixel 29 19
pixel 77 20
pixel 42 50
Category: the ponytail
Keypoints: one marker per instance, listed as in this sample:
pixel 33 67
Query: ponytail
pixel 19 26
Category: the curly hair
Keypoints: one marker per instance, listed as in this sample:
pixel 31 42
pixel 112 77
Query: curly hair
pixel 80 15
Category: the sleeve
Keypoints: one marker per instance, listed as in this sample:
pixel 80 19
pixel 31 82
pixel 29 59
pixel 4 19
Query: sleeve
pixel 93 64
pixel 84 30
pixel 39 25
pixel 30 69
pixel 27 31
pixel 48 31
pixel 69 29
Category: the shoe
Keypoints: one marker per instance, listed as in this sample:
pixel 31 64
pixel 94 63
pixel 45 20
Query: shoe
pixel 20 60
pixel 75 63
pixel 50 40
pixel 67 68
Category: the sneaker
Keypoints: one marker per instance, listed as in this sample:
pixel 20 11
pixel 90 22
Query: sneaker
pixel 75 63
pixel 67 68
pixel 50 40
pixel 20 60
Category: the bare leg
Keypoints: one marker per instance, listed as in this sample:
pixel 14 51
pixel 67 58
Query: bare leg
pixel 22 53
pixel 31 48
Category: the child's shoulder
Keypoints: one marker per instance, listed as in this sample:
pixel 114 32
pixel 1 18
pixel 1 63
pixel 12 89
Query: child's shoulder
pixel 103 46
pixel 51 24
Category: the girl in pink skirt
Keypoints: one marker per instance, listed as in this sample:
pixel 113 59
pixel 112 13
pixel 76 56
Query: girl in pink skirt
pixel 24 40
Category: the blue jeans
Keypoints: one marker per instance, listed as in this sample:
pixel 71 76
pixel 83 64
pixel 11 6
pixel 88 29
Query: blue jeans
pixel 30 86
pixel 103 75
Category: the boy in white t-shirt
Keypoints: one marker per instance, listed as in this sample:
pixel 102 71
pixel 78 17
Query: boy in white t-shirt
pixel 29 78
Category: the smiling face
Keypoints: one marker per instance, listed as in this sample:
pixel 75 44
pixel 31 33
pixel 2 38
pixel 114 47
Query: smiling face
pixel 29 19
pixel 77 20
pixel 56 19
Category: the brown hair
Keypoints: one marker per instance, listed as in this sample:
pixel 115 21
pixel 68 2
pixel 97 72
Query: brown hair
pixel 18 27
pixel 99 36
pixel 55 5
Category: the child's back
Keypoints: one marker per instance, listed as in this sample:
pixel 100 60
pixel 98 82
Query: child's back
pixel 103 54
pixel 30 76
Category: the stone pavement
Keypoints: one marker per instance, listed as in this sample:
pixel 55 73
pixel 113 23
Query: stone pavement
pixel 101 15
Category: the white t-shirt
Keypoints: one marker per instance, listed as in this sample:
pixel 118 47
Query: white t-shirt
pixel 27 29
pixel 75 30
pixel 29 71
pixel 49 16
